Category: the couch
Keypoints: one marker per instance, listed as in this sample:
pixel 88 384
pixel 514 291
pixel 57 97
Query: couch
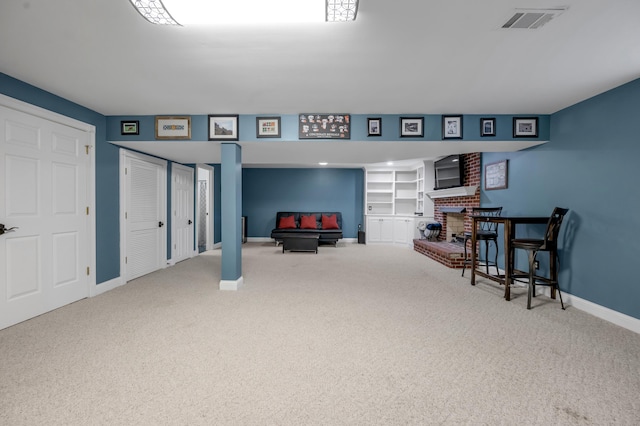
pixel 328 225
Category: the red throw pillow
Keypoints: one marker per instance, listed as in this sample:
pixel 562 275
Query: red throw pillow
pixel 308 222
pixel 287 222
pixel 330 221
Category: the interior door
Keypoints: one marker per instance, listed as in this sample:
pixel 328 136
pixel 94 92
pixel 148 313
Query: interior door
pixel 144 215
pixel 182 223
pixel 43 194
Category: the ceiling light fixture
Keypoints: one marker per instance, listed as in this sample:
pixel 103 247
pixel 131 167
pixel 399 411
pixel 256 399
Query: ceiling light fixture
pixel 208 12
pixel 342 10
pixel 323 163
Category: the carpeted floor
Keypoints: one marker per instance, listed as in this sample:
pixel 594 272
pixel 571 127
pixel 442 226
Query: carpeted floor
pixel 355 335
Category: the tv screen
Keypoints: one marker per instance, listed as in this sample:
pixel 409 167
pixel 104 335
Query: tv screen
pixel 449 172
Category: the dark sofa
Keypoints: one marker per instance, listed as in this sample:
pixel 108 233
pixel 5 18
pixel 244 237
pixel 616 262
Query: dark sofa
pixel 325 235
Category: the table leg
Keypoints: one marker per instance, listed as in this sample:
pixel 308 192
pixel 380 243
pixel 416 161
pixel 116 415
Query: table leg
pixel 474 225
pixel 508 256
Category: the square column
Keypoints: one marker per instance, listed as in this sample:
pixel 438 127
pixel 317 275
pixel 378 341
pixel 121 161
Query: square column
pixel 231 216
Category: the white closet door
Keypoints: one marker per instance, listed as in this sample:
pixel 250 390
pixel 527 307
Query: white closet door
pixel 183 212
pixel 144 216
pixel 43 193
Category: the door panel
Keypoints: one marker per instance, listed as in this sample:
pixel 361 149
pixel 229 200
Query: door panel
pixel 44 195
pixel 183 214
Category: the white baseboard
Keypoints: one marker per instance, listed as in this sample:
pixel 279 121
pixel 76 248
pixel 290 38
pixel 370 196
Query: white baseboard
pixel 105 286
pixel 231 285
pixel 615 317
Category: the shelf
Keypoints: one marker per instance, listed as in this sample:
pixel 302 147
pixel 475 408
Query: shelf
pixel 460 191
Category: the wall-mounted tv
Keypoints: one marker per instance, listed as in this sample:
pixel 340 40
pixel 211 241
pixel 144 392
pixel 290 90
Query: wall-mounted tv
pixel 449 171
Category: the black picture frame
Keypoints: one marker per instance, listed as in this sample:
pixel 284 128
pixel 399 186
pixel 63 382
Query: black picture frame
pixel 324 126
pixel 130 127
pixel 224 127
pixel 411 127
pixel 487 127
pixel 374 126
pixel 525 127
pixel 496 175
pixel 451 127
pixel 268 127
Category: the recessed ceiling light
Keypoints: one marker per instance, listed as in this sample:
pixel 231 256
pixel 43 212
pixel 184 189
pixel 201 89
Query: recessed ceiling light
pixel 323 163
pixel 389 163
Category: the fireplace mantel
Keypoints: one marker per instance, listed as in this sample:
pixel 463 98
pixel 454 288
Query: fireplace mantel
pixel 460 191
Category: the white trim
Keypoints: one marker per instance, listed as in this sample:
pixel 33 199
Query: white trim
pixel 106 286
pixel 124 153
pixel 90 129
pixel 615 317
pixel 231 285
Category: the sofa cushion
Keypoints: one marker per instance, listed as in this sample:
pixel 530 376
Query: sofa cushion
pixel 308 222
pixel 287 222
pixel 329 222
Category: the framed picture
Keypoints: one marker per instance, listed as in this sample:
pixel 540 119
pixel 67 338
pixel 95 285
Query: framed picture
pixel 525 127
pixel 495 175
pixel 130 127
pixel 324 126
pixel 268 127
pixel 451 127
pixel 173 127
pixel 223 127
pixel 374 126
pixel 411 127
pixel 487 127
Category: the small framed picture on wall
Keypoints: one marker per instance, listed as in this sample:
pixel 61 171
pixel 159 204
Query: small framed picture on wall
pixel 451 127
pixel 374 126
pixel 487 127
pixel 525 127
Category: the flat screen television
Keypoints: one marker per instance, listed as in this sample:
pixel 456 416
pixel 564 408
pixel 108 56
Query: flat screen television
pixel 449 172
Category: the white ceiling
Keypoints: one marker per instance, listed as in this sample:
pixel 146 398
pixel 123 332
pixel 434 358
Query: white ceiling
pixel 398 57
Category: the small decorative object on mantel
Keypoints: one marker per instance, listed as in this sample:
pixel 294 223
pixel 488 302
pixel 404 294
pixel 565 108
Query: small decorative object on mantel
pixel 487 127
pixel 223 127
pixel 268 127
pixel 451 127
pixel 173 127
pixel 131 127
pixel 525 127
pixel 411 127
pixel 324 126
pixel 496 175
pixel 374 126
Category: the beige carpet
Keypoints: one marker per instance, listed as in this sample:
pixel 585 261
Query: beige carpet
pixel 355 335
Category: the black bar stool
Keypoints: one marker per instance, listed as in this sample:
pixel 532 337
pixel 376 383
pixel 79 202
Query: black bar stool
pixel 533 246
pixel 487 231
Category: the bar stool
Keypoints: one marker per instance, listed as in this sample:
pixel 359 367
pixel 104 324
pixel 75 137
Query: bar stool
pixel 533 246
pixel 487 231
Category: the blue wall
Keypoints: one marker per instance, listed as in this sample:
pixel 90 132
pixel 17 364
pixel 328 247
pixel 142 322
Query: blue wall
pixel 107 169
pixel 590 166
pixel 267 191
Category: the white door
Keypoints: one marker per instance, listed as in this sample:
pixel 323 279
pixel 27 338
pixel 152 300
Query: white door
pixel 44 262
pixel 182 225
pixel 144 214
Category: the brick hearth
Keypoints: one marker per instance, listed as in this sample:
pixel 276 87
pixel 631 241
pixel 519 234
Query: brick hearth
pixel 449 254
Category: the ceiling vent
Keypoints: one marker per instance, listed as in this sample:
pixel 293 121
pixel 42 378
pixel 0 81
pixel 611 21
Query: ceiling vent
pixel 532 19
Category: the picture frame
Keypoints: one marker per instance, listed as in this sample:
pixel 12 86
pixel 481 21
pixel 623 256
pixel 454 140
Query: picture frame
pixel 324 126
pixel 411 127
pixel 223 127
pixel 496 175
pixel 173 127
pixel 451 127
pixel 374 126
pixel 487 127
pixel 268 127
pixel 130 127
pixel 525 127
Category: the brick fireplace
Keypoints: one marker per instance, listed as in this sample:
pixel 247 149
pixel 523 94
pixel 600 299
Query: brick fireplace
pixel 453 213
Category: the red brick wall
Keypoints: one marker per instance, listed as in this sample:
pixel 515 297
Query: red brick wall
pixel 471 177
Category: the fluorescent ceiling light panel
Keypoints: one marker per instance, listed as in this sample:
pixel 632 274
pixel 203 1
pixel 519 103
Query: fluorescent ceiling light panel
pixel 244 12
pixel 342 10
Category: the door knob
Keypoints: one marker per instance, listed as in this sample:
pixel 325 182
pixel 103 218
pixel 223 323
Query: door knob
pixel 4 230
pixel 160 224
pixel 189 222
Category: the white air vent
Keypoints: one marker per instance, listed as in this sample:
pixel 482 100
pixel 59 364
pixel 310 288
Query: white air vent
pixel 532 18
